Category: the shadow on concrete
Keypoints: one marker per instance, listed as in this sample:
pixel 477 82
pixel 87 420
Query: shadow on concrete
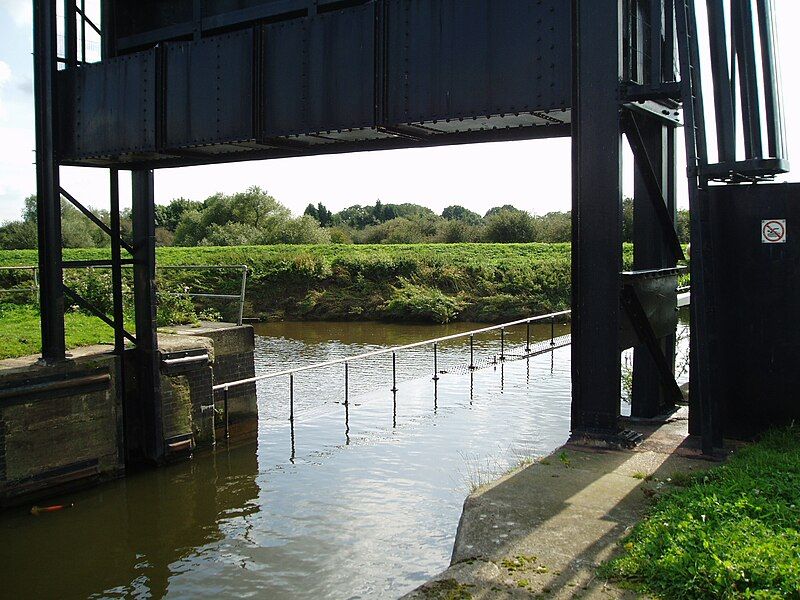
pixel 542 531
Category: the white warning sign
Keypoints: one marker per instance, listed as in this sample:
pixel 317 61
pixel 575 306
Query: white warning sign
pixel 773 231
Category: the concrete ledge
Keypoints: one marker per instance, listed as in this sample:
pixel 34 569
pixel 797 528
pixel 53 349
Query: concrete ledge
pixel 541 531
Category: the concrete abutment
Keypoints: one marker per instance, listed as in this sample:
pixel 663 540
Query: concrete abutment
pixel 69 425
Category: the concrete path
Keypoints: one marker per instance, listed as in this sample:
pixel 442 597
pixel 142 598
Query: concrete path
pixel 541 531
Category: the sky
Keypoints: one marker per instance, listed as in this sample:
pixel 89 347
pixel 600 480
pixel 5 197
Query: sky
pixel 533 175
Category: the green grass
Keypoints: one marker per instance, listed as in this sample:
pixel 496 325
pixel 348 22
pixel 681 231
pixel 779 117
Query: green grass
pixel 20 333
pixel 412 282
pixel 730 532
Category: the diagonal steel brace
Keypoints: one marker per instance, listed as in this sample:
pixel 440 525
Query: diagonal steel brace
pixel 648 173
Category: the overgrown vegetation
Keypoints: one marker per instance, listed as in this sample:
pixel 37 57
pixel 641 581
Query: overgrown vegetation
pixel 253 217
pixel 420 282
pixel 730 532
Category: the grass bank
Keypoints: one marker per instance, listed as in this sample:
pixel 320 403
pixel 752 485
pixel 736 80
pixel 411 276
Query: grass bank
pixel 730 532
pixel 20 333
pixel 408 282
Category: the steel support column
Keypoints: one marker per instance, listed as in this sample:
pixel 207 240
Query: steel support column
pixel 144 291
pixel 48 203
pixel 650 251
pixel 596 214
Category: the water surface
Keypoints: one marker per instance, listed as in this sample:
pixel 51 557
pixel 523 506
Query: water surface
pixel 360 501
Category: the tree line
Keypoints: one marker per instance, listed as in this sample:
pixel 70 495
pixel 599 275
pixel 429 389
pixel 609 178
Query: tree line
pixel 253 217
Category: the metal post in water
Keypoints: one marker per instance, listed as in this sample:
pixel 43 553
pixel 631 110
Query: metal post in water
pixel 502 343
pixel 291 397
pixel 528 338
pixel 471 353
pixel 346 384
pixel 435 362
pixel 394 372
pixel 552 331
pixel 225 404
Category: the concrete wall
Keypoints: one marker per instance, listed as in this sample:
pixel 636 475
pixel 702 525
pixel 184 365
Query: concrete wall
pixel 67 425
pixel 233 360
pixel 59 425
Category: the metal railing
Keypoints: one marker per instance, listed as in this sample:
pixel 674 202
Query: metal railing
pixel 555 342
pixel 33 289
pixel 240 297
pixel 242 288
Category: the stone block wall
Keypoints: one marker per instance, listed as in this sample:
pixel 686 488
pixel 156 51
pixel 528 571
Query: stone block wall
pixel 60 425
pixel 234 348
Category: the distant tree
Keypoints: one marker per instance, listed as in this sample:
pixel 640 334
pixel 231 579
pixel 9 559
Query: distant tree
pixel 303 230
pixel 18 235
pixel 627 219
pixel 410 210
pixel 498 209
pixel 164 237
pixel 510 226
pixel 340 235
pixel 190 230
pixel 459 213
pixel 356 216
pixel 455 231
pixel 319 212
pixel 683 226
pixel 169 215
pixel 325 217
pixel 554 227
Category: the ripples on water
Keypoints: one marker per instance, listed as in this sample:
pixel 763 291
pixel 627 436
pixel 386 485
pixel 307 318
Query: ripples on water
pixel 366 508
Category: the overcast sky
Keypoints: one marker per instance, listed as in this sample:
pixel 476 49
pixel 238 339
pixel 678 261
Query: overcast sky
pixel 533 175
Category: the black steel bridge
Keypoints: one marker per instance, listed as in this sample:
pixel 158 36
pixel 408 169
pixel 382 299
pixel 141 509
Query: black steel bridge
pixel 193 82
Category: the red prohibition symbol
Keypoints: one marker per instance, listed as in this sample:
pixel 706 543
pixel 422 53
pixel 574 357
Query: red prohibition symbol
pixel 774 231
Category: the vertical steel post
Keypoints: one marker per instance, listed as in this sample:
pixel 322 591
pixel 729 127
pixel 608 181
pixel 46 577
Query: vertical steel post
pixel 48 197
pixel 596 214
pixel 71 33
pixel 552 331
pixel 116 296
pixel 144 292
pixel 650 251
pixel 772 93
pixel 721 76
pixel 225 409
pixel 528 337
pixel 241 296
pixel 435 362
pixel 346 384
pixel 291 397
pixel 107 27
pixel 742 12
pixel 502 343
pixel 394 372
pixel 472 353
pixel 116 265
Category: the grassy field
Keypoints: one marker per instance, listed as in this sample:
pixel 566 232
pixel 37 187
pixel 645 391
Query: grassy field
pixel 402 283
pixel 415 282
pixel 730 532
pixel 20 334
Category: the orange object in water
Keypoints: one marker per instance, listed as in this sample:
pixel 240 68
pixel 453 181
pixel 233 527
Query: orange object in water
pixel 37 510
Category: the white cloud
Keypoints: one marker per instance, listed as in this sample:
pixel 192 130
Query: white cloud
pixel 5 77
pixel 21 11
pixel 5 72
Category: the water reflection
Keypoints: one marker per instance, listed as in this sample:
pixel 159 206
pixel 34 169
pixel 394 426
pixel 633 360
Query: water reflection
pixel 334 501
pixel 129 538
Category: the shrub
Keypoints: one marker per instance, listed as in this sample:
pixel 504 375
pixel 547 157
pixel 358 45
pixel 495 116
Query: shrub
pixel 411 302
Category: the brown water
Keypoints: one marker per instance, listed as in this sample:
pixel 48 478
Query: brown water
pixel 363 507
